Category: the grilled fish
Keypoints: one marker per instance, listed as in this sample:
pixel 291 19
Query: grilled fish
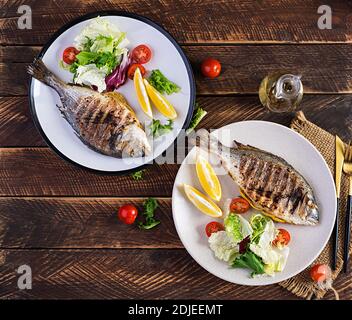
pixel 104 122
pixel 269 183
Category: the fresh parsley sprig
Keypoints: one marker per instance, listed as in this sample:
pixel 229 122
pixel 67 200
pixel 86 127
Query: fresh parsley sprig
pixel 138 175
pixel 150 206
pixel 157 129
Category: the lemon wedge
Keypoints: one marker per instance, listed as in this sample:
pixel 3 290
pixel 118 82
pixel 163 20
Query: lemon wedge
pixel 141 92
pixel 164 106
pixel 208 178
pixel 201 202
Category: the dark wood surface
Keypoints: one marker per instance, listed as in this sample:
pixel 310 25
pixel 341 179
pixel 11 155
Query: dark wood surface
pixel 61 220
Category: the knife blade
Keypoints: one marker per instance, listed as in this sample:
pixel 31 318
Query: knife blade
pixel 339 159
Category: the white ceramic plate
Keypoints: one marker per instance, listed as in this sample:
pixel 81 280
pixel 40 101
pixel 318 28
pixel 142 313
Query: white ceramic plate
pixel 306 241
pixel 167 56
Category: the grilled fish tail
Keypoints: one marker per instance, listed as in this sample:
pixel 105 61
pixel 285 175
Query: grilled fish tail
pixel 39 71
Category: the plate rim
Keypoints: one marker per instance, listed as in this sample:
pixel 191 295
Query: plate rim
pixel 174 189
pixel 120 13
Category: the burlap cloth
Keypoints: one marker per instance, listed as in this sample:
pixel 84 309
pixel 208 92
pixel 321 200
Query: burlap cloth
pixel 302 285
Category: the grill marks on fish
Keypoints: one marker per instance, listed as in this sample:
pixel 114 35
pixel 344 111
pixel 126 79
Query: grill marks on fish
pixel 275 187
pixel 104 122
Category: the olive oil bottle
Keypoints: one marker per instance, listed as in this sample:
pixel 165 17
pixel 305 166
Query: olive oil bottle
pixel 280 92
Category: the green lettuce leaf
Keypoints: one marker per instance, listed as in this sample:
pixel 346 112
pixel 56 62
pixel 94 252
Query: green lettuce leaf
pixel 251 261
pixel 161 83
pixel 233 227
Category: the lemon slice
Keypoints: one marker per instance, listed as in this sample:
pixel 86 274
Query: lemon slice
pixel 201 202
pixel 164 106
pixel 141 92
pixel 208 178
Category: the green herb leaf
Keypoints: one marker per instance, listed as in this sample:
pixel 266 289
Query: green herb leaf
pixel 157 129
pixel 198 115
pixel 258 223
pixel 233 227
pixel 149 207
pixel 251 261
pixel 138 175
pixel 161 83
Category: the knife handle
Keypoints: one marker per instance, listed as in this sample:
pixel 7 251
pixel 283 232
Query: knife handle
pixel 347 233
pixel 335 236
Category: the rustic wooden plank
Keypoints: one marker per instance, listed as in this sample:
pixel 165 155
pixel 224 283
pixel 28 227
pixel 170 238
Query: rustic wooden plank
pixel 81 223
pixel 332 112
pixel 16 125
pixel 40 172
pixel 324 68
pixel 121 274
pixel 202 21
pixel 129 274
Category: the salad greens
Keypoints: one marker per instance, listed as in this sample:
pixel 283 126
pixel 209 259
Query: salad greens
pixel 149 207
pixel 251 261
pixel 102 47
pixel 248 244
pixel 198 115
pixel 237 227
pixel 157 129
pixel 258 222
pixel 223 246
pixel 161 83
pixel 138 175
pixel 233 227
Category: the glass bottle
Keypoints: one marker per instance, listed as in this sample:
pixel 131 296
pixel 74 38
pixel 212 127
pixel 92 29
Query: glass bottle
pixel 280 92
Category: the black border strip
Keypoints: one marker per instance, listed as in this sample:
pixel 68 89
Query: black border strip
pixel 112 13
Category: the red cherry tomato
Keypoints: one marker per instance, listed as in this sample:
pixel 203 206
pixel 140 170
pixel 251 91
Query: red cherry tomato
pixel 141 54
pixel 132 69
pixel 211 68
pixel 69 55
pixel 213 227
pixel 282 239
pixel 127 213
pixel 239 205
pixel 320 272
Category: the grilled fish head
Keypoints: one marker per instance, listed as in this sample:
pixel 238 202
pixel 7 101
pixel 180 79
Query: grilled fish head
pixel 133 142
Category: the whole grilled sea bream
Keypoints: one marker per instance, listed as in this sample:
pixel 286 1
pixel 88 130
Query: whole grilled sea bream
pixel 269 183
pixel 105 122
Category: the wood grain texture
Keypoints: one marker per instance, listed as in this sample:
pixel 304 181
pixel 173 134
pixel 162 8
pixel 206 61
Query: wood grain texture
pixel 324 68
pixel 222 21
pixel 124 274
pixel 81 223
pixel 128 274
pixel 331 112
pixel 40 172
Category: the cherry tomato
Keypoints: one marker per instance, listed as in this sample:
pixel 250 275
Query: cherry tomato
pixel 69 55
pixel 141 54
pixel 239 205
pixel 213 227
pixel 211 68
pixel 282 239
pixel 132 69
pixel 127 213
pixel 320 272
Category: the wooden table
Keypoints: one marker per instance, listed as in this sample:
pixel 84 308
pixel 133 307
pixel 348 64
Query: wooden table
pixel 62 221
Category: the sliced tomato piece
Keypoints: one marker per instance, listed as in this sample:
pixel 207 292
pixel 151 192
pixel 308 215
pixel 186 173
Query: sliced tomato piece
pixel 69 55
pixel 213 227
pixel 141 54
pixel 132 69
pixel 282 239
pixel 239 205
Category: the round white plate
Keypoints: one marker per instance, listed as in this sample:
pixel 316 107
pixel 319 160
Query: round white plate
pixel 167 56
pixel 306 241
